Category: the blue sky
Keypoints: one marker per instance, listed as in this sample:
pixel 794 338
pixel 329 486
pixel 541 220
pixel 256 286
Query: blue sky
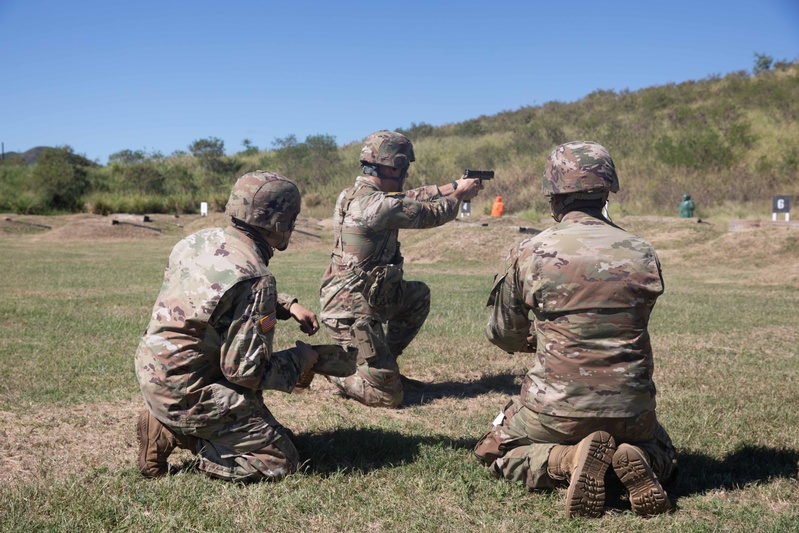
pixel 103 76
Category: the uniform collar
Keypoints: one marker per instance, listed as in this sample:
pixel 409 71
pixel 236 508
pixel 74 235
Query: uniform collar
pixel 363 181
pixel 253 239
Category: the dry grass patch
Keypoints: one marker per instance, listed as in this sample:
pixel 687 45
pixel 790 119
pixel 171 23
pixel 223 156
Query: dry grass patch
pixel 46 442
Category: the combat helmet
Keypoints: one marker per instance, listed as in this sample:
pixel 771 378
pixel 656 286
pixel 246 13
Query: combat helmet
pixel 387 148
pixel 579 167
pixel 265 200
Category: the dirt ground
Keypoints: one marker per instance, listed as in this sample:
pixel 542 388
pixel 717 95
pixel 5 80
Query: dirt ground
pixel 51 442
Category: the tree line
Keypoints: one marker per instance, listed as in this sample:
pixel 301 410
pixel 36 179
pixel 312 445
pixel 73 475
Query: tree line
pixel 139 181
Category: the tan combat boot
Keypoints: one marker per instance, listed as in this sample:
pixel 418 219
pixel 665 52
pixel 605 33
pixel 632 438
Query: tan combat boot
pixel 156 443
pixel 585 465
pixel 647 497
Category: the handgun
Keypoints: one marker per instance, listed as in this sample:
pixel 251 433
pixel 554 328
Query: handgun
pixel 481 175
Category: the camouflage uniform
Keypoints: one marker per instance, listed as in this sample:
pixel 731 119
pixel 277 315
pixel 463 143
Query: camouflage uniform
pixel 366 225
pixel 590 287
pixel 207 354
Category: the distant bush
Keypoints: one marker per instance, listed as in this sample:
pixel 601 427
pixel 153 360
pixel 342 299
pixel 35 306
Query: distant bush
pixel 469 128
pixel 249 147
pixel 417 131
pixel 105 204
pixel 310 163
pixel 28 203
pixel 762 63
pixel 696 149
pixel 61 178
pixel 312 199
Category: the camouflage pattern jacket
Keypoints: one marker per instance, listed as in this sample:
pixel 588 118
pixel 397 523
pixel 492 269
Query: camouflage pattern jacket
pixel 590 287
pixel 366 224
pixel 207 351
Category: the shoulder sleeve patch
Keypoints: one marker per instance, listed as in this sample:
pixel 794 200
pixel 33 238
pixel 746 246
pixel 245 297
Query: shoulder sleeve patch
pixel 268 322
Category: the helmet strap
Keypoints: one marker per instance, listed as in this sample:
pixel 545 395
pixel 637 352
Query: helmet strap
pixel 374 170
pixel 279 238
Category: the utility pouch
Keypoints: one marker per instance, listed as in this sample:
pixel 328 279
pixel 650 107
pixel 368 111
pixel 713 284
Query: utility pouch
pixel 384 287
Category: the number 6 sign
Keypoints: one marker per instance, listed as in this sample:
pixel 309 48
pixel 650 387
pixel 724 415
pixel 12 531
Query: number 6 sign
pixel 781 204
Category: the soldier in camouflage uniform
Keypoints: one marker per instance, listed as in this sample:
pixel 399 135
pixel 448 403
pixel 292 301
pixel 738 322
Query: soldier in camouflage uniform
pixel 363 287
pixel 588 400
pixel 207 354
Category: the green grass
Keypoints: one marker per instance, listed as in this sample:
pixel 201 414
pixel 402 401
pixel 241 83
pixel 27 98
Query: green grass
pixel 726 350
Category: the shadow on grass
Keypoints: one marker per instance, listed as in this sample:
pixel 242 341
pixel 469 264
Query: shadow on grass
pixel 750 464
pixel 419 393
pixel 700 473
pixel 362 450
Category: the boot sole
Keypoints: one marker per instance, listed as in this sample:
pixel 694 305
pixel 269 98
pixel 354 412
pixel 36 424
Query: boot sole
pixel 586 494
pixel 647 497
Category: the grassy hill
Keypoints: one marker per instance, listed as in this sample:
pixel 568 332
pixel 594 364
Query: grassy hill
pixel 732 142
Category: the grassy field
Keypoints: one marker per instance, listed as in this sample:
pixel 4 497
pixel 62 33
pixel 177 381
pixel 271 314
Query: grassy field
pixel 75 298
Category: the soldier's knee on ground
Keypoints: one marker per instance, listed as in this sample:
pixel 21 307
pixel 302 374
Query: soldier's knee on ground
pixel 516 465
pixel 663 463
pixel 272 462
pixel 664 457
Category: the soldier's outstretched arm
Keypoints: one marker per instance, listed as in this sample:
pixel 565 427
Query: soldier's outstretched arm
pixel 464 189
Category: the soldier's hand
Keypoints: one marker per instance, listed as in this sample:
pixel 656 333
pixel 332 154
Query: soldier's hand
pixel 307 318
pixel 309 354
pixel 467 189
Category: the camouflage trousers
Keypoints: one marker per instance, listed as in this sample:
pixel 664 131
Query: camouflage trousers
pixel 518 445
pixel 377 382
pixel 252 449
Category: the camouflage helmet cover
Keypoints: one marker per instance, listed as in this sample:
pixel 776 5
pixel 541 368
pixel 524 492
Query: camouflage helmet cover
pixel 265 200
pixel 579 166
pixel 387 148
